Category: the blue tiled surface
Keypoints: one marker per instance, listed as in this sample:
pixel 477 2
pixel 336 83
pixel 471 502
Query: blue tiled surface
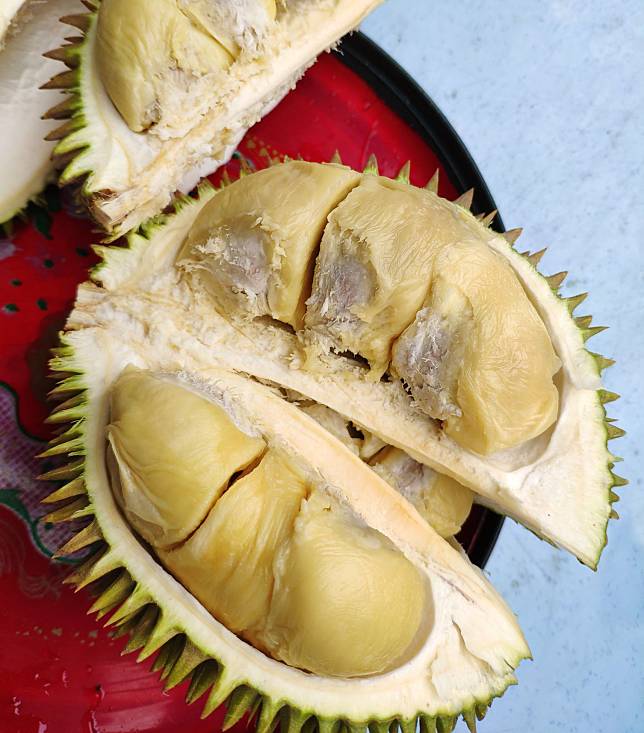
pixel 549 98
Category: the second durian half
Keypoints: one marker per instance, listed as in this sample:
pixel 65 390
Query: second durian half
pixel 160 92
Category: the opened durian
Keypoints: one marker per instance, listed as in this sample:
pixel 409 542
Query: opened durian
pixel 28 28
pixel 162 91
pixel 279 422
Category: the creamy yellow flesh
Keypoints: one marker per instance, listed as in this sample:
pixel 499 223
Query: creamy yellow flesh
pixel 254 247
pixel 152 59
pixel 404 279
pixel 275 559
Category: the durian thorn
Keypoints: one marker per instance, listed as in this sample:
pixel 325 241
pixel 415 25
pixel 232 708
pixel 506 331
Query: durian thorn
pixel 75 40
pixel 82 21
pixel 162 632
pixel 73 383
pixel 126 627
pixel 293 720
pixel 65 434
pixel 86 537
pixel 91 5
pixel 512 235
pixel 72 447
pixel 393 726
pixel 96 570
pixel 268 717
pixel 555 281
pixel 64 80
pixel 535 258
pixel 67 512
pixel 445 723
pixel 62 414
pixel 61 132
pixel 583 322
pixel 404 172
pixel 603 362
pixel 372 166
pixel 487 220
pixel 619 480
pixel 481 710
pixel 574 301
pixel 408 725
pixel 141 630
pixel 75 487
pixel 78 399
pixel 311 725
pixel 427 724
pixel 241 700
pixel 83 572
pixel 202 678
pixel 131 606
pixel 168 655
pixel 190 658
pixel 432 184
pixel 378 726
pixel 613 498
pixel 58 376
pixel 466 199
pixel 588 333
pixel 612 431
pixel 335 158
pixel 613 514
pixel 62 473
pixel 470 720
pixel 115 593
pixel 62 54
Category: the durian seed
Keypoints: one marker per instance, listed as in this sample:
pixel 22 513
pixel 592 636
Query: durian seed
pixel 432 184
pixel 239 703
pixel 64 80
pixel 65 513
pixel 512 235
pixel 470 720
pixel 612 431
pixel 202 678
pixel 605 396
pixel 73 488
pixel 465 199
pixel 62 473
pixel 372 165
pixel 555 281
pixel 574 301
pixel 82 21
pixel 487 220
pixel 404 172
pixel 619 480
pixel 335 158
pixel 86 537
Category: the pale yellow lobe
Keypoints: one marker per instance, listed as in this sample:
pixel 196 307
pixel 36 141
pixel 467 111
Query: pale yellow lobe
pixel 172 454
pixel 253 245
pixel 346 602
pixel 228 562
pixel 440 500
pixel 149 56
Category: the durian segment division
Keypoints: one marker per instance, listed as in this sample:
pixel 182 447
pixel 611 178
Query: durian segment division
pixel 158 102
pixel 469 631
pixel 560 484
pixel 27 31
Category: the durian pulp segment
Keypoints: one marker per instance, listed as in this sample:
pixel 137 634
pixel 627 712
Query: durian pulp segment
pixel 153 60
pixel 142 170
pixel 172 455
pixel 254 247
pixel 439 499
pixel 25 154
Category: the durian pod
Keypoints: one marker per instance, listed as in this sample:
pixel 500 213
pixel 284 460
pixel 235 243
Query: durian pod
pixel 161 92
pixel 460 643
pixel 557 483
pixel 27 30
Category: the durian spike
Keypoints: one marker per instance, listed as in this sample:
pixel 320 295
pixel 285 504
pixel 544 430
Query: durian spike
pixel 612 431
pixel 189 659
pixel 115 593
pixel 220 688
pixel 241 701
pixel 65 129
pixel 555 281
pixel 62 54
pixel 432 184
pixel 583 321
pixel 465 199
pixel 535 258
pixel 268 717
pixel 603 362
pixel 619 480
pixel 131 606
pixel 575 301
pixel 408 725
pixel 140 633
pixel 168 655
pixel 481 710
pixel 427 724
pixel 613 514
pixel 593 331
pixel 75 487
pixel 64 80
pixel 328 725
pixel 202 679
pixel 335 158
pixel 93 569
pixel 512 235
pixel 445 723
pixel 470 720
pixel 489 218
pixel 404 173
pixel 372 166
pixel 82 21
pixel 86 537
pixel 379 726
pixel 62 473
pixel 67 512
pixel 162 632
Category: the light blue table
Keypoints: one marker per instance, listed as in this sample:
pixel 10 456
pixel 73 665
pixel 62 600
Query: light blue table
pixel 549 99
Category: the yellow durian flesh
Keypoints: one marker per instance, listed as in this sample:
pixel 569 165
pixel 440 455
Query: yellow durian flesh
pixel 150 57
pixel 346 602
pixel 254 243
pixel 172 453
pixel 372 273
pixel 228 562
pixel 440 500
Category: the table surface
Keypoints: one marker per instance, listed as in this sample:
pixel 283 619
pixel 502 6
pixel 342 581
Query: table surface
pixel 548 97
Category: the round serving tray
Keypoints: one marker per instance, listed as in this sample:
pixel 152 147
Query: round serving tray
pixel 60 670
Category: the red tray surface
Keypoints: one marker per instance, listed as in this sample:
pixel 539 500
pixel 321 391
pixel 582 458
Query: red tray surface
pixel 60 671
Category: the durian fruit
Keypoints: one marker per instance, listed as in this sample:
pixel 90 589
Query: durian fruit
pixel 279 528
pixel 532 443
pixel 311 593
pixel 28 28
pixel 161 91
